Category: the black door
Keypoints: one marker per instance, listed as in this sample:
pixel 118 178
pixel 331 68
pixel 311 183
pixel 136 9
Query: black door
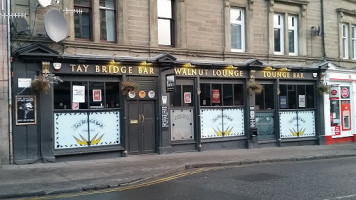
pixel 141 130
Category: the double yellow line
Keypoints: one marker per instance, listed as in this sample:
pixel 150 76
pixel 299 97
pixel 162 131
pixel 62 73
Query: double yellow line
pixel 129 187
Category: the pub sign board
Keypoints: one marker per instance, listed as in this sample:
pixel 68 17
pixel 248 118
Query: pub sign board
pixel 25 109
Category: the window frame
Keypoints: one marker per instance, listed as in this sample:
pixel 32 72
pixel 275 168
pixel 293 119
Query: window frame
pixel 293 26
pixel 242 23
pixel 345 40
pixel 353 41
pixel 171 22
pixel 90 12
pixel 279 25
pixel 114 22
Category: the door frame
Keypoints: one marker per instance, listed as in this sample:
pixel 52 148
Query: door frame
pixel 127 124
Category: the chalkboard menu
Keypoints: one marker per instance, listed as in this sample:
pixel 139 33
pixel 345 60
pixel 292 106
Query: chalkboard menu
pixel 26 109
pixel 165 116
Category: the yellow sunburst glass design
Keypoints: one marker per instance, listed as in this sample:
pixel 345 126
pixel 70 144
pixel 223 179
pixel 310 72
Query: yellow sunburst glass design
pixel 223 133
pixel 296 133
pixel 85 142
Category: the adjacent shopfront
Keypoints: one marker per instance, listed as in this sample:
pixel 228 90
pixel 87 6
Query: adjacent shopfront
pixel 212 107
pixel 340 106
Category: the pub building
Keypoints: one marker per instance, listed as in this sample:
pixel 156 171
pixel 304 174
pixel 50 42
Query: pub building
pixel 339 105
pixel 175 105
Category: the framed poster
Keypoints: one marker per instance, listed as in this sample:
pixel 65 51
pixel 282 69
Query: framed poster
pixel 170 82
pixel 187 97
pixel 96 95
pixel 25 109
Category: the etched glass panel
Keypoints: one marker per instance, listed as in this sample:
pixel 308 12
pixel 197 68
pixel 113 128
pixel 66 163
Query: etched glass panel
pixel 182 126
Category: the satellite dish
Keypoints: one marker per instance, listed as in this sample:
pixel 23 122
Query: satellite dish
pixel 55 25
pixel 45 3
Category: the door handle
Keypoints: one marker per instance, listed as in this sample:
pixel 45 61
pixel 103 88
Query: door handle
pixel 143 118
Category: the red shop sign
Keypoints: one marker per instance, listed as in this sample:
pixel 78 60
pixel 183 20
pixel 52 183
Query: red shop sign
pixel 344 92
pixel 215 95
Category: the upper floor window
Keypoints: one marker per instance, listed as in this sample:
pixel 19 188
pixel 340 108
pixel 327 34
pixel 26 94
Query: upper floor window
pixel 165 22
pixel 82 22
pixel 345 41
pixel 237 21
pixel 107 20
pixel 279 34
pixel 353 32
pixel 278 24
pixel 293 35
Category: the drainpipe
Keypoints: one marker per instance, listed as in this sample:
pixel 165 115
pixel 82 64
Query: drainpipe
pixel 322 29
pixel 11 154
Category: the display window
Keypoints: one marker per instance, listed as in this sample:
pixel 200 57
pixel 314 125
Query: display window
pixel 221 94
pixel 340 109
pixel 297 110
pixel 86 114
pixel 296 96
pixel 77 95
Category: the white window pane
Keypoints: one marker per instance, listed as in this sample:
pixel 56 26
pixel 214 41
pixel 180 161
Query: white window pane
pixel 277 20
pixel 354 42
pixel 235 16
pixel 345 39
pixel 236 39
pixel 293 34
pixel 164 32
pixel 164 8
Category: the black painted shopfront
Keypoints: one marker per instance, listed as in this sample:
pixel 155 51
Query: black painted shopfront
pixel 172 106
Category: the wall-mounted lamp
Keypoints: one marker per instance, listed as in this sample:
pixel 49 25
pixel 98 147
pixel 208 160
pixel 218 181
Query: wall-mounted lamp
pixel 315 75
pixel 187 65
pixel 231 67
pixel 269 68
pixel 316 30
pixel 45 67
pixel 285 69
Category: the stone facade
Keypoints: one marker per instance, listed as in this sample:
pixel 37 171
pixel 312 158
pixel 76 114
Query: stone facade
pixel 4 94
pixel 201 30
pixel 336 13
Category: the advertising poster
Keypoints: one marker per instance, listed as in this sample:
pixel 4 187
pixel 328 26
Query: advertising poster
pixel 26 109
pixel 283 101
pixel 215 96
pixel 170 83
pixel 96 95
pixel 187 97
pixel 79 93
pixel 301 101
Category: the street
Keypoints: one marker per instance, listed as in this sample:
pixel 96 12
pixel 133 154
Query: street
pixel 318 179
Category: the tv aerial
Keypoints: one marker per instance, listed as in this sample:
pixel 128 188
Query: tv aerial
pixel 55 25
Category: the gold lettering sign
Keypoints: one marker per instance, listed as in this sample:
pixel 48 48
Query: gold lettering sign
pixel 112 69
pixel 287 75
pixel 208 72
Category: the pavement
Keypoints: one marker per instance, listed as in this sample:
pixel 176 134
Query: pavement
pixel 75 176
